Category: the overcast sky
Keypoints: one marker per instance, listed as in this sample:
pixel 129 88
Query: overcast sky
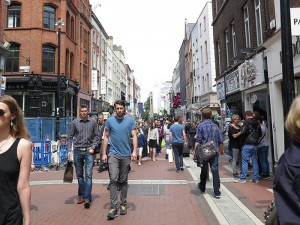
pixel 150 33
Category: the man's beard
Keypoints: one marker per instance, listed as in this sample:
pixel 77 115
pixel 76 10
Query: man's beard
pixel 120 114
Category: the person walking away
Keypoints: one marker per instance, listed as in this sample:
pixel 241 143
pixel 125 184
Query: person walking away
pixel 84 133
pixel 153 140
pixel 209 131
pixel 178 139
pixel 263 150
pixel 167 135
pixel 234 135
pixel 101 125
pixel 145 129
pixel 286 184
pixel 118 130
pixel 141 143
pixel 15 164
pixel 161 135
pixel 192 138
pixel 250 131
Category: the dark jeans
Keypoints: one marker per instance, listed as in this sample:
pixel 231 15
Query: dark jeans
pixel 158 149
pixel 262 153
pixel 83 161
pixel 118 174
pixel 214 165
pixel 178 149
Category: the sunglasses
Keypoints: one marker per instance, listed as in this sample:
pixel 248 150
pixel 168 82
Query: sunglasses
pixel 2 112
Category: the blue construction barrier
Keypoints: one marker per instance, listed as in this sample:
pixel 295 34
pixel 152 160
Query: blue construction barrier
pixel 63 154
pixel 42 153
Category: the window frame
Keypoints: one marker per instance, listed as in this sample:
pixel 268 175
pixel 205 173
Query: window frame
pixel 47 17
pixel 14 14
pixel 49 61
pixel 13 59
pixel 259 35
pixel 247 27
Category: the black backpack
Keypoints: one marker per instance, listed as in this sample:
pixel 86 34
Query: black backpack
pixel 253 135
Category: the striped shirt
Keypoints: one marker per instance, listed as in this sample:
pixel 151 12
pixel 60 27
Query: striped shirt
pixel 84 133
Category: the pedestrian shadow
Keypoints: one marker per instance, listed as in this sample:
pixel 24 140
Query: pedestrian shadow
pixel 73 199
pixel 130 206
pixel 33 208
pixel 171 169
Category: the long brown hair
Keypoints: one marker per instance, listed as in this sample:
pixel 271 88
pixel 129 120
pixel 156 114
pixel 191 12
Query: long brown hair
pixel 18 129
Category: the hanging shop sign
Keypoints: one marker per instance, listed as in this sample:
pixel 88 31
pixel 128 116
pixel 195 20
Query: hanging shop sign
pixel 232 82
pixel 103 86
pixel 220 89
pixel 252 72
pixel 295 21
pixel 94 80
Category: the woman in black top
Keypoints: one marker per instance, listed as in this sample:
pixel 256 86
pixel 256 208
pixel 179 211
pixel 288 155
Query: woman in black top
pixel 15 164
pixel 234 134
pixel 192 137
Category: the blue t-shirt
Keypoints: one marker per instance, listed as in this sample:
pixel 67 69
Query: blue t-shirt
pixel 176 129
pixel 120 133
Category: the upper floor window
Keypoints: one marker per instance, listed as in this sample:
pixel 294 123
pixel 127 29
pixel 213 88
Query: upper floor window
pixel 258 22
pixel 219 56
pixel 233 40
pixel 227 47
pixel 206 52
pixel 48 60
pixel 247 27
pixel 13 15
pixel 204 23
pixel 49 17
pixel 12 60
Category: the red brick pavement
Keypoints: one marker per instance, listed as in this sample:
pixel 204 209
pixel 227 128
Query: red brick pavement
pixel 178 204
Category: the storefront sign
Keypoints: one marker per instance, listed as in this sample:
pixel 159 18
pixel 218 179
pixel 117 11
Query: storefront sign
pixel 232 82
pixel 220 89
pixel 295 21
pixel 103 86
pixel 204 102
pixel 94 80
pixel 252 72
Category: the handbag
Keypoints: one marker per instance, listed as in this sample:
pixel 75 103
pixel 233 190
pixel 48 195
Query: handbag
pixel 207 150
pixel 270 215
pixel 68 174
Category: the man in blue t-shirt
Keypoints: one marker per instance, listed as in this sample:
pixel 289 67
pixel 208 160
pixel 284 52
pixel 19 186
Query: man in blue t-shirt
pixel 177 139
pixel 118 131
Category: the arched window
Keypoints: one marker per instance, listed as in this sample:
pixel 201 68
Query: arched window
pixel 12 60
pixel 71 64
pixel 48 61
pixel 67 63
pixel 68 24
pixel 49 17
pixel 72 29
pixel 13 15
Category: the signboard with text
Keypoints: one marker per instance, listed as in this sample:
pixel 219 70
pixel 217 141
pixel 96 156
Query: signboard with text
pixel 295 21
pixel 232 83
pixel 103 86
pixel 94 80
pixel 220 89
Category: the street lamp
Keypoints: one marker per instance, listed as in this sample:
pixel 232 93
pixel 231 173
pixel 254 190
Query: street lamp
pixel 59 23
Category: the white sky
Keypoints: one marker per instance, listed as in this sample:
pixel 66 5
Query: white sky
pixel 150 33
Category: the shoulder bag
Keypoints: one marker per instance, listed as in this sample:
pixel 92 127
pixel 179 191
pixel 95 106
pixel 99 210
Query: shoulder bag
pixel 270 214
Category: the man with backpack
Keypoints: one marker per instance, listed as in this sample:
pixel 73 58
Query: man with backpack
pixel 250 133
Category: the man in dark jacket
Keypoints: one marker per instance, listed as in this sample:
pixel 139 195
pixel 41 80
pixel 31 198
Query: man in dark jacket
pixel 250 131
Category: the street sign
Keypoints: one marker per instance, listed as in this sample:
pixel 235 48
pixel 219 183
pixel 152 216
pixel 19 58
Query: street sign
pixel 295 21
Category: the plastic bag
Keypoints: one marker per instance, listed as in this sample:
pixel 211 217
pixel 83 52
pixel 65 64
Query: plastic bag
pixel 163 143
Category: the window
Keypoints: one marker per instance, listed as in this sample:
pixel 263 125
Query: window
pixel 71 64
pixel 67 63
pixel 68 24
pixel 201 55
pixel 12 60
pixel 219 57
pixel 200 30
pixel 227 47
pixel 233 40
pixel 49 17
pixel 48 60
pixel 72 29
pixel 204 23
pixel 13 15
pixel 258 22
pixel 247 27
pixel 206 52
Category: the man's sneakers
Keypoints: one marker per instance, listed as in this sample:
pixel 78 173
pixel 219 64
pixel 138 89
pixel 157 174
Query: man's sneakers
pixel 239 181
pixel 123 210
pixel 255 181
pixel 87 204
pixel 113 213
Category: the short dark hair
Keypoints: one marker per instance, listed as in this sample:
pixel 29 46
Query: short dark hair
pixel 248 113
pixel 119 102
pixel 83 106
pixel 177 118
pixel 206 113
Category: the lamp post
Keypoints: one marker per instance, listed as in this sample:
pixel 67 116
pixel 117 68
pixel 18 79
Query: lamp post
pixel 59 23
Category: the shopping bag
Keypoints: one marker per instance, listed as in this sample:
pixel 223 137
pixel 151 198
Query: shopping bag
pixel 68 175
pixel 170 154
pixel 163 143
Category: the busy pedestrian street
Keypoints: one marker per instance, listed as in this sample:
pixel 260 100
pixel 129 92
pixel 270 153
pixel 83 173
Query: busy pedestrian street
pixel 157 194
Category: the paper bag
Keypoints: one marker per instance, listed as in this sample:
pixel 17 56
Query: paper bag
pixel 68 175
pixel 170 155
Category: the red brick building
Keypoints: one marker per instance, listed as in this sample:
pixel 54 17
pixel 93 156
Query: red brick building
pixel 32 68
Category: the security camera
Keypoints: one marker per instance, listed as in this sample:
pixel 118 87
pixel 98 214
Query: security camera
pixel 7 2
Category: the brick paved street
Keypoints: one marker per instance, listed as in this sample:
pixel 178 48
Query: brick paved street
pixel 156 195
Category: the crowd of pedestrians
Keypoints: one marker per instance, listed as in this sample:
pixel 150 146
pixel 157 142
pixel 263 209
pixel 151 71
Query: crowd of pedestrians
pixel 121 140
